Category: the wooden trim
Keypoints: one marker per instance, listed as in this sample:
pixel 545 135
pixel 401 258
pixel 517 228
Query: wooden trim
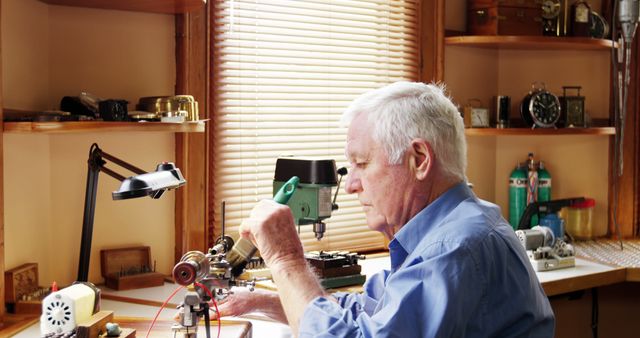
pixel 558 287
pixel 431 47
pixel 191 149
pixel 601 131
pixel 530 42
pixel 12 324
pixel 150 6
pixel 101 127
pixel 2 296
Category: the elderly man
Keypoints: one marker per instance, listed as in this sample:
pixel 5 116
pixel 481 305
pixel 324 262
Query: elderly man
pixel 457 269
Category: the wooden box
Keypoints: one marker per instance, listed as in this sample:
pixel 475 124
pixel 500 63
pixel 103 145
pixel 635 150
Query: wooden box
pixel 508 17
pixel 129 268
pixel 23 294
pixel 20 281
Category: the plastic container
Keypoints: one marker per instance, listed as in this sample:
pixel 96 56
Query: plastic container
pixel 579 220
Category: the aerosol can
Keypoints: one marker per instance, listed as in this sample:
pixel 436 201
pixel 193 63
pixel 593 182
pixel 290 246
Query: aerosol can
pixel 517 194
pixel 544 183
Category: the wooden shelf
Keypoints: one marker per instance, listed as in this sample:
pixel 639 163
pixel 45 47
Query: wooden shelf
pixel 92 126
pixel 529 42
pixel 150 6
pixel 13 323
pixel 539 131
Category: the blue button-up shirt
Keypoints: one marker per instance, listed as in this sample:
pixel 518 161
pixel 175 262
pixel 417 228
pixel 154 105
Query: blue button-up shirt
pixel 457 270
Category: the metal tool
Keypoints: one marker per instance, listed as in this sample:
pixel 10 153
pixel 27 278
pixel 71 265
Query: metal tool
pixel 217 271
pixel 546 250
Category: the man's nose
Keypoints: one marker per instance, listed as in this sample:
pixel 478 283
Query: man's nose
pixel 352 185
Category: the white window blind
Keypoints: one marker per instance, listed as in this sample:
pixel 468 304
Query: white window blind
pixel 283 73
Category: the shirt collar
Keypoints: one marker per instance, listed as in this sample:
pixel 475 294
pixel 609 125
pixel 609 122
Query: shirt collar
pixel 407 239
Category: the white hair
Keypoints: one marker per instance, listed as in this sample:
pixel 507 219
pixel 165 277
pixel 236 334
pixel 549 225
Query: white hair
pixel 404 111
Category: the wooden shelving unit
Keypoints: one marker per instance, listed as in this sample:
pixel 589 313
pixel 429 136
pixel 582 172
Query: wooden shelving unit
pixel 604 131
pixel 529 42
pixel 151 6
pixel 92 126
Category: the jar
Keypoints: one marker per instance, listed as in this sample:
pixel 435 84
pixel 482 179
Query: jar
pixel 579 220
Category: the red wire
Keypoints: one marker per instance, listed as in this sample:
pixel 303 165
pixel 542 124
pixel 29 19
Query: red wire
pixel 213 300
pixel 153 322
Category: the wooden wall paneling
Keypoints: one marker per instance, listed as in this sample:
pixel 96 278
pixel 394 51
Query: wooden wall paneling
pixel 432 41
pixel 191 148
pixel 2 300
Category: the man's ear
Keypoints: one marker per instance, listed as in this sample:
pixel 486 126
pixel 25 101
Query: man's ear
pixel 421 158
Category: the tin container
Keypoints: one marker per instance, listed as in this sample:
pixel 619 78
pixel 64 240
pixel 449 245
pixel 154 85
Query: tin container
pixel 175 103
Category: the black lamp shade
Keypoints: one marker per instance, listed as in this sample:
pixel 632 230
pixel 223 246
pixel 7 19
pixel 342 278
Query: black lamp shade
pixel 153 184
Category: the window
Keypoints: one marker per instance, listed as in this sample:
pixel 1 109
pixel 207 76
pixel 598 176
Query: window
pixel 283 73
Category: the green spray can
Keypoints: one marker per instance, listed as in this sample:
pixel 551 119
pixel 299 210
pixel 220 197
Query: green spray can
pixel 544 183
pixel 517 194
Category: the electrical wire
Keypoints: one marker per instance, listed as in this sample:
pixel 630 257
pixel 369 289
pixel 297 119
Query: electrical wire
pixel 215 305
pixel 153 322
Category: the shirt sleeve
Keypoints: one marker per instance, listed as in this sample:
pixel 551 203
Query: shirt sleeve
pixel 420 300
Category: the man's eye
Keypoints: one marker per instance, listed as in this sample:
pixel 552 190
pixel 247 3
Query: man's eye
pixel 361 165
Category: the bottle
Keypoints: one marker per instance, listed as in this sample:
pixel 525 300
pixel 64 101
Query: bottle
pixel 544 183
pixel 517 194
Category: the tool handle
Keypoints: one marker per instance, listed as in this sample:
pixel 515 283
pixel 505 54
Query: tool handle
pixel 244 249
pixel 286 190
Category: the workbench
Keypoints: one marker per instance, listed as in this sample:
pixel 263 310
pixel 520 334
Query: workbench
pixel 586 275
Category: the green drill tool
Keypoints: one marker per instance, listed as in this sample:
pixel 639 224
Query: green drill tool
pixel 311 204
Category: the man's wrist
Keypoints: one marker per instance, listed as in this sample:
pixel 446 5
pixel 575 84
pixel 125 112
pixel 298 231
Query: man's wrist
pixel 288 267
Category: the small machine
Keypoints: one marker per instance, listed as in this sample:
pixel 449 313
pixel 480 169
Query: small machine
pixel 545 244
pixel 336 268
pixel 63 310
pixel 311 204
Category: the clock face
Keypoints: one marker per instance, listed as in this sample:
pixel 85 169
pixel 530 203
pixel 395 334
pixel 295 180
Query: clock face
pixel 550 9
pixel 545 109
pixel 479 117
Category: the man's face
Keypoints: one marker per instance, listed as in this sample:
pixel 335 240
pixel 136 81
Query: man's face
pixel 381 187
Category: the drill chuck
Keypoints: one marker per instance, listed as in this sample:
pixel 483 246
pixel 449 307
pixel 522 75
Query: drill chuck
pixel 318 229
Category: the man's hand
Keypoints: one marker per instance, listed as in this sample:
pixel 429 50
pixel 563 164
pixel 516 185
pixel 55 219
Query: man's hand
pixel 271 228
pixel 243 301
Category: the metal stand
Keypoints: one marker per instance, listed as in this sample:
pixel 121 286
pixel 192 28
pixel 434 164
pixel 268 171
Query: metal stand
pixel 95 165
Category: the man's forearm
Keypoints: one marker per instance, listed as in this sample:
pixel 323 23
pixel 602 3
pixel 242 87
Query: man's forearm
pixel 297 287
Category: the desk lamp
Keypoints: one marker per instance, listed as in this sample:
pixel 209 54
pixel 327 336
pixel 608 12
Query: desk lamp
pixel 152 184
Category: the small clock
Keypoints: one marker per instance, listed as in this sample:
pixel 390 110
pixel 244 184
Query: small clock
pixel 599 26
pixel 550 16
pixel 573 107
pixel 540 108
pixel 479 117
